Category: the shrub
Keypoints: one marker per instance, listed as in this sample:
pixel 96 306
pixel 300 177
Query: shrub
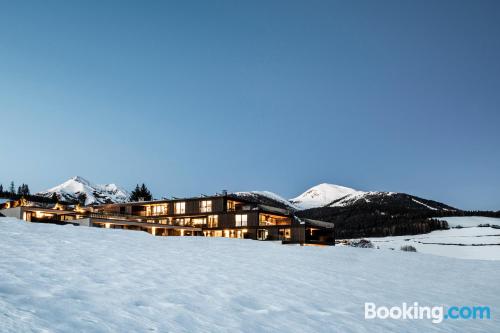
pixel 363 243
pixel 408 248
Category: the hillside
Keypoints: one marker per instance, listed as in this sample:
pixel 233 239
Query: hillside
pixel 82 281
pixel 378 214
pixel 362 214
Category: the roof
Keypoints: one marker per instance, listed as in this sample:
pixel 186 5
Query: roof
pixel 153 202
pixel 317 223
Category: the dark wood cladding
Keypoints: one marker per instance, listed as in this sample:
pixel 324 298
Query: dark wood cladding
pixel 235 218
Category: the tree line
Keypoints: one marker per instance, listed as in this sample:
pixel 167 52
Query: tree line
pixel 22 190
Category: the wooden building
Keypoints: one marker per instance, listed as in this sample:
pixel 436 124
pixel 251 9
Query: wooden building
pixel 225 215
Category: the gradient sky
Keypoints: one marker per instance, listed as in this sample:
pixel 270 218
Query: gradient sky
pixel 194 97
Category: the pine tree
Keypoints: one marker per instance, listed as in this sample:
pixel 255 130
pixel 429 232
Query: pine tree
pixel 12 188
pixel 141 193
pixel 146 194
pixel 54 197
pixel 26 190
pixel 82 197
pixel 1 189
pixel 23 190
pixel 136 193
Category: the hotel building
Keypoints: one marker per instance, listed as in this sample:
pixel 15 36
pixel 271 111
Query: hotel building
pixel 226 215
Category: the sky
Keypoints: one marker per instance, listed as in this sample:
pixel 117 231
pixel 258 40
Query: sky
pixel 194 97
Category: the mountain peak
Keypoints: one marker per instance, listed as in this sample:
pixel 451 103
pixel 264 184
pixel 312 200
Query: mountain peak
pixel 79 179
pixel 95 193
pixel 322 195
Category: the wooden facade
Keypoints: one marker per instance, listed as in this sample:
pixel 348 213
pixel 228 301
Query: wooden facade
pixel 215 216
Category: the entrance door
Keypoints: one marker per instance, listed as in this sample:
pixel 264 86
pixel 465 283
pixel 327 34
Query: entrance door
pixel 262 234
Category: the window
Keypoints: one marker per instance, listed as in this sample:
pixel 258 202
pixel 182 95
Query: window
pixel 241 220
pixel 182 221
pixel 231 205
pixel 267 219
pixel 156 210
pixel 199 221
pixel 206 206
pixel 285 234
pixel 180 208
pixel 213 221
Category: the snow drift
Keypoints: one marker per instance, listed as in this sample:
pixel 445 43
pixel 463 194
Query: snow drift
pixel 77 279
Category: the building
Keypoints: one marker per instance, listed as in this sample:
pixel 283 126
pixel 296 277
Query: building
pixel 226 215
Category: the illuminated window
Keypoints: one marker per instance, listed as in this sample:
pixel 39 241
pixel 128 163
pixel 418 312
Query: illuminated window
pixel 231 205
pixel 199 221
pixel 267 219
pixel 180 208
pixel 285 233
pixel 206 206
pixel 213 221
pixel 241 220
pixel 156 210
pixel 182 221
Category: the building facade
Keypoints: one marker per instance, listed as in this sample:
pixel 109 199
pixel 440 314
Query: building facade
pixel 225 215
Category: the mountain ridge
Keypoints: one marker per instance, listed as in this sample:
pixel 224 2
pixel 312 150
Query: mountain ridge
pixel 95 193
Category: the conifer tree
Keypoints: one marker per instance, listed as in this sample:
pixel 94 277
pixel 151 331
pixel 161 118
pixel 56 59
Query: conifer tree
pixel 81 198
pixel 146 194
pixel 12 188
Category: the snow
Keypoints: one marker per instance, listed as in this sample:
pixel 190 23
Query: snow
pixel 95 193
pixel 470 221
pixel 322 195
pixel 270 195
pixel 471 242
pixel 421 203
pixel 352 198
pixel 78 279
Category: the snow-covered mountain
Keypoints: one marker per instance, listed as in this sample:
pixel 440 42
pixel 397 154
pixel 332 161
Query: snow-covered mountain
pixel 96 193
pixel 330 195
pixel 267 198
pixel 322 195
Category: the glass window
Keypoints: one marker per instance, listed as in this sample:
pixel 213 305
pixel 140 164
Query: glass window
pixel 231 205
pixel 199 220
pixel 241 220
pixel 206 206
pixel 182 221
pixel 213 221
pixel 156 210
pixel 180 208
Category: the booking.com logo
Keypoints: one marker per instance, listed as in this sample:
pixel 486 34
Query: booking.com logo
pixel 435 313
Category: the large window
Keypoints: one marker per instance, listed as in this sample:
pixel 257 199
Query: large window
pixel 206 206
pixel 241 220
pixel 269 219
pixel 199 221
pixel 156 210
pixel 213 221
pixel 180 208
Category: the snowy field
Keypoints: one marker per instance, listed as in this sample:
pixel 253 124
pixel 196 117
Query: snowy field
pixel 76 279
pixel 468 242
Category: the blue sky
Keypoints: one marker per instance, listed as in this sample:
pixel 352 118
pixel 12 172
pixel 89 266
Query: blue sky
pixel 194 97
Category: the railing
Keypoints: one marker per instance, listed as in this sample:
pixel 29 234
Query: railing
pixel 142 219
pixel 108 214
